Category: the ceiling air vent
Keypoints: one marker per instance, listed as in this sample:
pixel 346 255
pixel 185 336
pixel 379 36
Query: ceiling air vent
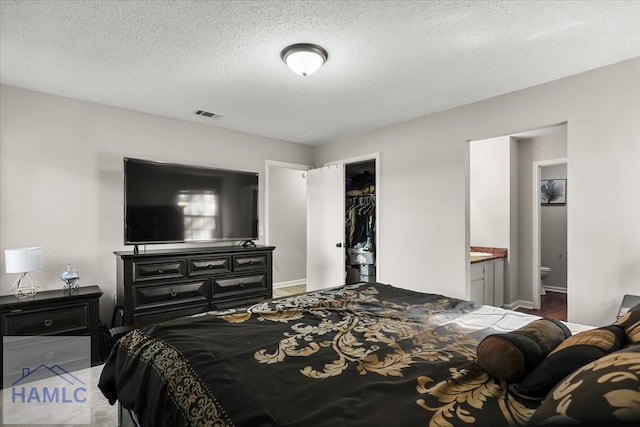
pixel 208 114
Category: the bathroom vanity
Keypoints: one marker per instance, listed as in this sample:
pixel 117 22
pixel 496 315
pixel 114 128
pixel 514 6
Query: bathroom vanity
pixel 487 276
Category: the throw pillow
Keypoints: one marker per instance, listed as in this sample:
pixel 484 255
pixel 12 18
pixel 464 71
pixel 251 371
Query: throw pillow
pixel 512 355
pixel 602 393
pixel 573 353
pixel 630 321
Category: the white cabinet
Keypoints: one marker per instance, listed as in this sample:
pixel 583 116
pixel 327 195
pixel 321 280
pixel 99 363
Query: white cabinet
pixel 477 282
pixel 487 282
pixel 498 282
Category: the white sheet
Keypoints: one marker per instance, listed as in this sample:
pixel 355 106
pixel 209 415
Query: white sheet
pixel 504 320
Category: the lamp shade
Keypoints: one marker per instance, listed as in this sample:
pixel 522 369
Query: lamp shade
pixel 22 260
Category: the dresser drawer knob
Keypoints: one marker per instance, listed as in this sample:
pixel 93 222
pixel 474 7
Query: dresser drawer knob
pixel 210 266
pixel 173 293
pixel 241 284
pixel 48 322
pixel 160 271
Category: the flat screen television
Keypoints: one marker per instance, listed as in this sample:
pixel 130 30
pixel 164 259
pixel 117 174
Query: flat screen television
pixel 173 203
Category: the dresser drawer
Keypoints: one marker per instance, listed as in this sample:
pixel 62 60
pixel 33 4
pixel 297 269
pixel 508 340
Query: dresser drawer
pixel 234 285
pixel 150 317
pixel 249 262
pixel 209 265
pixel 153 270
pixel 243 300
pixel 146 296
pixel 69 318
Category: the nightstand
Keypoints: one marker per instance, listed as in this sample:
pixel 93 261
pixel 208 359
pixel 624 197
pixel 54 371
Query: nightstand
pixel 54 313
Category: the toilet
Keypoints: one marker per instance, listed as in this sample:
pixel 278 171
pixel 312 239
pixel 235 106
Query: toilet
pixel 544 272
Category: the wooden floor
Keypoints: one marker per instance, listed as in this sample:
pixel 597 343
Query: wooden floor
pixel 289 290
pixel 553 305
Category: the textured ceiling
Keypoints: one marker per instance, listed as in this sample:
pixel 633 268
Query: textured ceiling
pixel 389 61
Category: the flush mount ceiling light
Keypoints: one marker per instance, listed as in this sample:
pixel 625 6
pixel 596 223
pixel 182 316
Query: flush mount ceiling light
pixel 304 59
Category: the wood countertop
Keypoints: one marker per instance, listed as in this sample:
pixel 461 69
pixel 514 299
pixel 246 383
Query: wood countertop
pixel 495 253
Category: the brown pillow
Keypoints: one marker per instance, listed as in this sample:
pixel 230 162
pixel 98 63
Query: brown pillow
pixel 630 321
pixel 512 355
pixel 573 353
pixel 602 393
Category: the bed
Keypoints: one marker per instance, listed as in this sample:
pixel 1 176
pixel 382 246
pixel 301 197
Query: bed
pixel 358 355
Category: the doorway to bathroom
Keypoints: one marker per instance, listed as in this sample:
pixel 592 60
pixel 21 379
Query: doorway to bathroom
pixel 518 227
pixel 550 234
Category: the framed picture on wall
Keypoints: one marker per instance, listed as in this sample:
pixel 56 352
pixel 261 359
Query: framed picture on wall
pixel 553 191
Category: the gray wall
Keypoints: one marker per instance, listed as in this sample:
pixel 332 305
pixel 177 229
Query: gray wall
pixel 424 176
pixel 553 233
pixel 287 225
pixel 489 192
pixel 61 176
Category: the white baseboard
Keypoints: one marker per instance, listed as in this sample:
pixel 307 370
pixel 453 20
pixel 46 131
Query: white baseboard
pixel 555 289
pixel 289 283
pixel 519 304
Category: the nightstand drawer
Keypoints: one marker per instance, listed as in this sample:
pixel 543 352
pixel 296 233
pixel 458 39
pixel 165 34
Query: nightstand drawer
pixel 169 269
pixel 170 293
pixel 249 262
pixel 70 318
pixel 225 287
pixel 209 265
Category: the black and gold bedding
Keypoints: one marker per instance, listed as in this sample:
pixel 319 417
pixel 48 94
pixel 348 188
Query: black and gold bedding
pixel 358 355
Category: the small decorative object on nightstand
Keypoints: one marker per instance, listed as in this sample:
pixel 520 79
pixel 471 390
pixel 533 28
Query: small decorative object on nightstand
pixel 70 277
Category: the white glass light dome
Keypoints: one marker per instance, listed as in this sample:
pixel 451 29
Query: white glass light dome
pixel 304 59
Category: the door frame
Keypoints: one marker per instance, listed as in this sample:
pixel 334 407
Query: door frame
pixel 537 174
pixel 360 159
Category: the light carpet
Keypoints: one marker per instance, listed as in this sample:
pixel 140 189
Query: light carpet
pixel 95 409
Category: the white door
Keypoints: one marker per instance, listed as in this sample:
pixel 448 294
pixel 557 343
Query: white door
pixel 325 227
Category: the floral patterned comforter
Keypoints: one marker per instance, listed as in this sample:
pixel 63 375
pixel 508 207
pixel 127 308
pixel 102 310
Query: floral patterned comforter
pixel 359 355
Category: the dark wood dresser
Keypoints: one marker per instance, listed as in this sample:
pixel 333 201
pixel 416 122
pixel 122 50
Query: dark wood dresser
pixel 54 313
pixel 161 285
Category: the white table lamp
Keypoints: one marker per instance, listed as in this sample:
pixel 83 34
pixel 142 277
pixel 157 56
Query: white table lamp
pixel 23 260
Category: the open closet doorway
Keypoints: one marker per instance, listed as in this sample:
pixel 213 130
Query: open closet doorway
pixel 360 221
pixel 343 234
